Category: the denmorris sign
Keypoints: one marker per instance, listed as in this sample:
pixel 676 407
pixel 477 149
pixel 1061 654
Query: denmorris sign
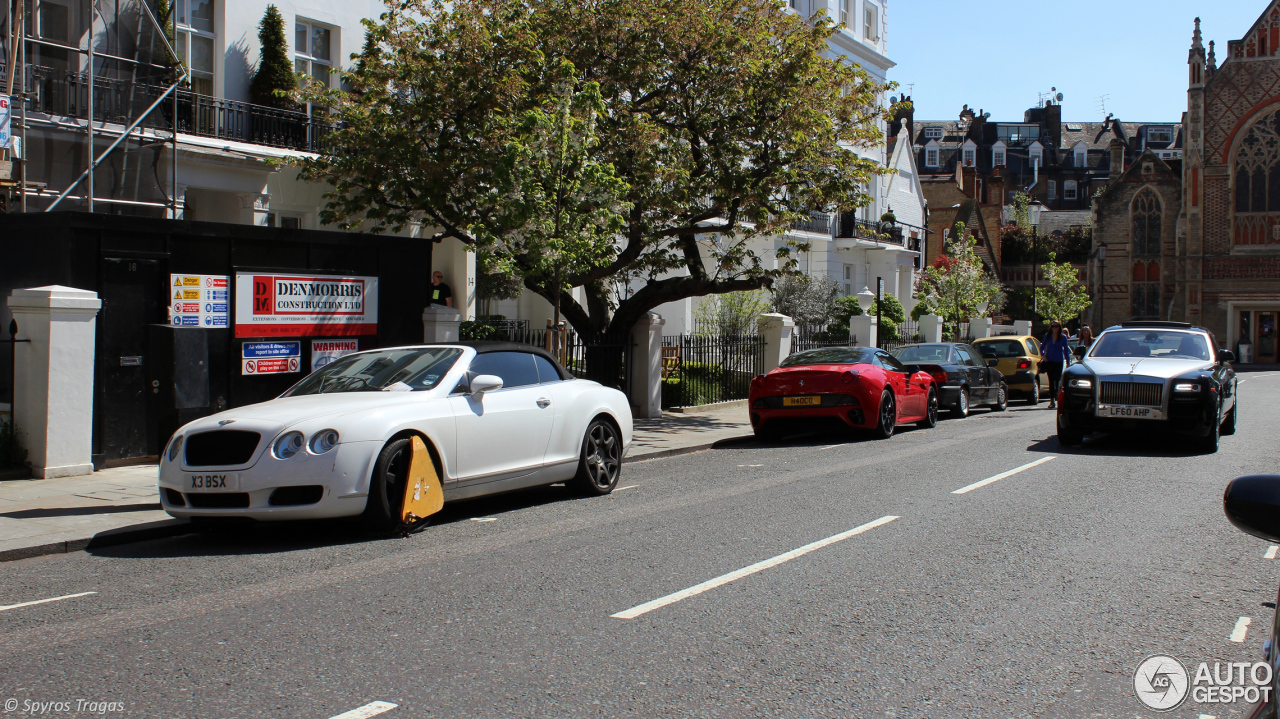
pixel 272 305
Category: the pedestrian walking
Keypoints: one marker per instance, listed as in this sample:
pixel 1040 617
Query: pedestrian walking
pixel 440 292
pixel 1055 350
pixel 1086 336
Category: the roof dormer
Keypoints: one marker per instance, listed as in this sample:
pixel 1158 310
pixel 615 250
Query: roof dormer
pixel 1080 155
pixel 998 153
pixel 969 154
pixel 931 154
pixel 1035 154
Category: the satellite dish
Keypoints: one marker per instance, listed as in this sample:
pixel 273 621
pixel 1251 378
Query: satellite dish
pixel 893 99
pixel 1059 97
pixel 986 115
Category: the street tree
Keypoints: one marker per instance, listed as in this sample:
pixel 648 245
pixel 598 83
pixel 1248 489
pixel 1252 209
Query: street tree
pixel 810 301
pixel 956 284
pixel 1065 298
pixel 725 120
pixel 731 313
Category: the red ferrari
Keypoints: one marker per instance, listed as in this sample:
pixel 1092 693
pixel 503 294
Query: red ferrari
pixel 863 387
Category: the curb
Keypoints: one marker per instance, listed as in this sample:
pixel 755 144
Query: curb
pixel 676 452
pixel 709 408
pixel 111 537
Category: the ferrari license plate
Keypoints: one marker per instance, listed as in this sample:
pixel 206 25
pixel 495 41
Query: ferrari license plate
pixel 801 401
pixel 220 482
pixel 1128 412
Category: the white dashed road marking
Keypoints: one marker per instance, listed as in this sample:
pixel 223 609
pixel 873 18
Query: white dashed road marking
pixel 483 519
pixel 1241 631
pixel 629 486
pixel 724 579
pixel 1002 475
pixel 7 607
pixel 371 709
pixel 1271 552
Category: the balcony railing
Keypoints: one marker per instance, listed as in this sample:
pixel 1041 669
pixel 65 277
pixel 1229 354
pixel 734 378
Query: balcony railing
pixel 65 93
pixel 817 222
pixel 852 226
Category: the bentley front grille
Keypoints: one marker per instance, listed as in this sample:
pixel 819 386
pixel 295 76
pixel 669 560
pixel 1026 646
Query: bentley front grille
pixel 221 448
pixel 1145 394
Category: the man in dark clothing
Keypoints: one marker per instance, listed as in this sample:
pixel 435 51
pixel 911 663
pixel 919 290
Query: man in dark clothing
pixel 440 292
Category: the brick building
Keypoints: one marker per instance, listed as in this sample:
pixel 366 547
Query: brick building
pixel 1214 221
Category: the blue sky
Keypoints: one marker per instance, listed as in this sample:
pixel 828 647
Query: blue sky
pixel 996 55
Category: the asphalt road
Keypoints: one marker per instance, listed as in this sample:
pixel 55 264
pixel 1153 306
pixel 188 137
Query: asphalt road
pixel 1036 595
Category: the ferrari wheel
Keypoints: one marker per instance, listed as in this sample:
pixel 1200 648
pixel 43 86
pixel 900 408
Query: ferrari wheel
pixel 601 461
pixel 930 411
pixel 386 491
pixel 961 410
pixel 888 417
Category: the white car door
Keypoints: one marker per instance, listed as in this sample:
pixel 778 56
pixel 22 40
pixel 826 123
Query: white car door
pixel 503 433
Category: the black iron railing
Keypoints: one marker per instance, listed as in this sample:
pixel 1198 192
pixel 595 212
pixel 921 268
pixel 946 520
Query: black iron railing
pixel 711 368
pixel 603 358
pixel 817 222
pixel 852 226
pixel 65 93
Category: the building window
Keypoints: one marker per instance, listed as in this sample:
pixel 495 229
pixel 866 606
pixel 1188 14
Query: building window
pixel 1146 224
pixel 1081 157
pixel 1145 290
pixel 997 157
pixel 195 41
pixel 1053 190
pixel 968 157
pixel 313 51
pixel 846 12
pixel 870 27
pixel 1256 174
pixel 1160 134
pixel 933 133
pixel 1069 190
pixel 1036 156
pixel 930 158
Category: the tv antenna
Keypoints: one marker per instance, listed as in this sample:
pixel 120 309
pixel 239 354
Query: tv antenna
pixel 1048 98
pixel 1102 104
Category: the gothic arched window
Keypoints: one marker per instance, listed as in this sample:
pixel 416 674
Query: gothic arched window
pixel 1256 174
pixel 1145 290
pixel 1146 224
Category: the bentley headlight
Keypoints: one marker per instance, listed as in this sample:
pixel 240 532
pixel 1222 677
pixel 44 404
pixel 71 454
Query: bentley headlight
pixel 324 440
pixel 175 444
pixel 1080 383
pixel 1186 387
pixel 289 444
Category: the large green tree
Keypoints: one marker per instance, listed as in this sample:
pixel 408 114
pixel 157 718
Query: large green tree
pixel 957 283
pixel 725 119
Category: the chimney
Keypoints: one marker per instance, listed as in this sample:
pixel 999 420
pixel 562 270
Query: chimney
pixel 970 186
pixel 1053 118
pixel 1117 160
pixel 995 187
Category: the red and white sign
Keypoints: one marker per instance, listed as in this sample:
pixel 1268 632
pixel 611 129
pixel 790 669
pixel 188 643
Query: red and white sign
pixel 325 351
pixel 281 365
pixel 271 305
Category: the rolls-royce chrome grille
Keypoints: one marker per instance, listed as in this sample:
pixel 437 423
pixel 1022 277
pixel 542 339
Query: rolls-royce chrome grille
pixel 1145 394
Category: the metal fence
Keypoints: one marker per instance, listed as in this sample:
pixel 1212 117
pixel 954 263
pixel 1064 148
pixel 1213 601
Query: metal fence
pixel 906 333
pixel 603 358
pixel 812 338
pixel 705 369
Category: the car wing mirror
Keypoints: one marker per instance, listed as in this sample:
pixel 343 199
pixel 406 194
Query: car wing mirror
pixel 484 383
pixel 1226 356
pixel 1252 504
pixel 1079 351
pixel 911 369
pixel 992 362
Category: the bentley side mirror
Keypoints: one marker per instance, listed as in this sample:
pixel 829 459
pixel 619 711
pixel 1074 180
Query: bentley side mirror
pixel 484 383
pixel 1226 356
pixel 1252 504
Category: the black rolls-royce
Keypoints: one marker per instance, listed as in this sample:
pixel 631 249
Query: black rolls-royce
pixel 1150 377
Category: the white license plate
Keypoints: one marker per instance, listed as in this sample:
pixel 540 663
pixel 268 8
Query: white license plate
pixel 216 482
pixel 1128 412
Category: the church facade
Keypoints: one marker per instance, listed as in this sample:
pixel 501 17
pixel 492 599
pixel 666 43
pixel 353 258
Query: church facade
pixel 1199 240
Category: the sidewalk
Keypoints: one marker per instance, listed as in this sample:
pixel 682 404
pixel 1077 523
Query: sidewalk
pixel 53 516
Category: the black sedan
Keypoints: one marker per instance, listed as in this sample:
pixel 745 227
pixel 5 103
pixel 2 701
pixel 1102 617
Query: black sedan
pixel 963 378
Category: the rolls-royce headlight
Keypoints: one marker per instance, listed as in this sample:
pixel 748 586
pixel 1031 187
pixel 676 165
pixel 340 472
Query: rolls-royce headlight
pixel 1186 387
pixel 1080 383
pixel 288 444
pixel 324 440
pixel 175 444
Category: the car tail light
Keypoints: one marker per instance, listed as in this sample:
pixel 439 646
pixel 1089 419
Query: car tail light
pixel 1024 364
pixel 757 382
pixel 939 377
pixel 848 376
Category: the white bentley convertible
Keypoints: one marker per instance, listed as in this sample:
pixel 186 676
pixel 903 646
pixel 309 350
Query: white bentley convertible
pixel 392 434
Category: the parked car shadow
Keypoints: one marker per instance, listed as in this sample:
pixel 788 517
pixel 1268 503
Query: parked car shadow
pixel 1120 445
pixel 246 537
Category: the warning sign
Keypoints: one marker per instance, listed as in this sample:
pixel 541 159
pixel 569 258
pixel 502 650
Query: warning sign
pixel 274 365
pixel 200 301
pixel 325 351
